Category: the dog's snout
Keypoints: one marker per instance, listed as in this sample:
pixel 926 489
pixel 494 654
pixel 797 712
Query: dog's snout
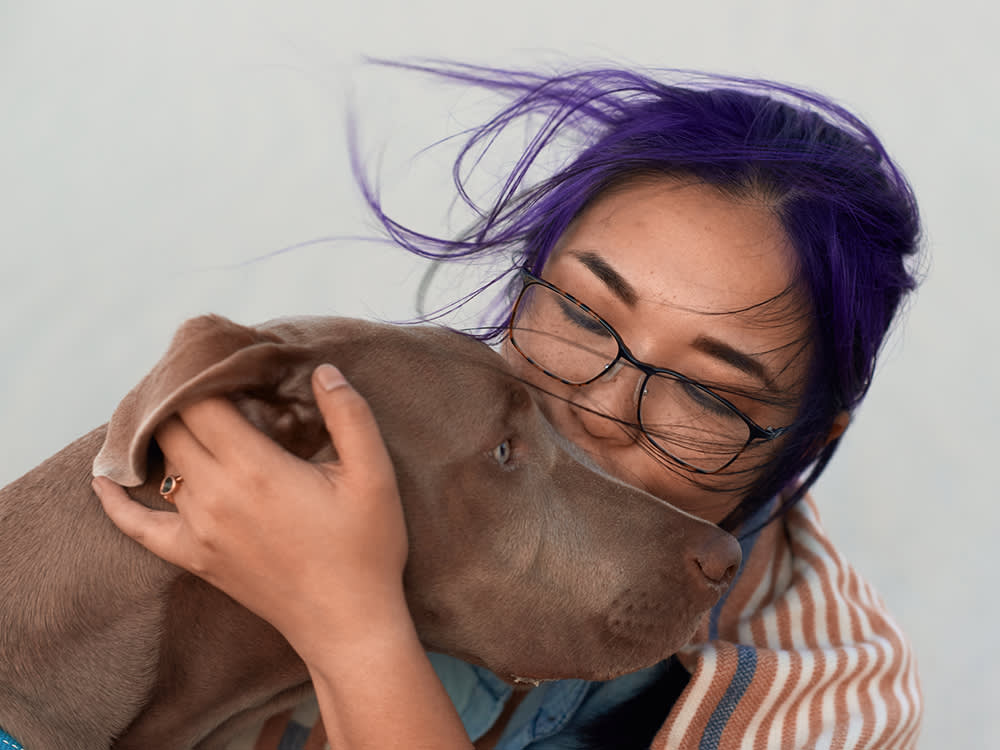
pixel 718 558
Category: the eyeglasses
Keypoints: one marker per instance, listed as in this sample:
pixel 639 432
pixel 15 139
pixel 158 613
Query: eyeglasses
pixel 683 419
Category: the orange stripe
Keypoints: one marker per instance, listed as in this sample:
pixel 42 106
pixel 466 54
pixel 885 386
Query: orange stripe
pixel 897 714
pixel 832 623
pixel 869 693
pixel 867 676
pixel 317 737
pixel 817 722
pixel 807 620
pixel 783 616
pixel 909 739
pixel 841 707
pixel 829 579
pixel 272 731
pixel 772 719
pixel 804 590
pixel 756 570
pixel 785 712
pixel 811 698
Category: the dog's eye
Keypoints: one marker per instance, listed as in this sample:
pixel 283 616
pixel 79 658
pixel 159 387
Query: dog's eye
pixel 501 454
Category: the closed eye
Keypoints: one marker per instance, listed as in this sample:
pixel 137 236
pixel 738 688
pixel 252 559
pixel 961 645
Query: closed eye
pixel 707 401
pixel 581 318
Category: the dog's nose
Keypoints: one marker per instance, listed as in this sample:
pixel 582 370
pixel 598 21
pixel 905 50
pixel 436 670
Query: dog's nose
pixel 718 558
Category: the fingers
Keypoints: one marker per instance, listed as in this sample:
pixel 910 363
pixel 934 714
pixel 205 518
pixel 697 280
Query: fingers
pixel 214 427
pixel 350 422
pixel 221 431
pixel 182 451
pixel 154 530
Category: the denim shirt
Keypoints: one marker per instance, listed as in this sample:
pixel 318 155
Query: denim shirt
pixel 545 715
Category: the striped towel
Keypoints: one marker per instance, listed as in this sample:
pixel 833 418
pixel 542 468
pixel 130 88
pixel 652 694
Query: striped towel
pixel 800 654
pixel 298 729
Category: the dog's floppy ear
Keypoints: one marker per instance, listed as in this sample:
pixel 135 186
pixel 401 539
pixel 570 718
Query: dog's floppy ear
pixel 211 356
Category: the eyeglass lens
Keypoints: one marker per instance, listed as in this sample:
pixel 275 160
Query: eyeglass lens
pixel 684 420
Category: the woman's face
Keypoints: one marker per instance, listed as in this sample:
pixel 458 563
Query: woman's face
pixel 695 282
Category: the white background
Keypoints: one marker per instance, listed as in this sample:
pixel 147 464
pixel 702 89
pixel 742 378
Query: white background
pixel 147 150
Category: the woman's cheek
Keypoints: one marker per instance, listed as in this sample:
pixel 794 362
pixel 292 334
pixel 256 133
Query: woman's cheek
pixel 711 505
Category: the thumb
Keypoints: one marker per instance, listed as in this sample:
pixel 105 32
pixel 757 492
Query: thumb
pixel 350 422
pixel 157 531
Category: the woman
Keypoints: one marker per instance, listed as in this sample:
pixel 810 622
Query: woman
pixel 704 287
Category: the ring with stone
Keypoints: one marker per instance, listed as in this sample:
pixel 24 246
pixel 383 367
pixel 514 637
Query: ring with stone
pixel 169 485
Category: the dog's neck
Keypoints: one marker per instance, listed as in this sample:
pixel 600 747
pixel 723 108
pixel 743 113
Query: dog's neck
pixel 152 605
pixel 70 585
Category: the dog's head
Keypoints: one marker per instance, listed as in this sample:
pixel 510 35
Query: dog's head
pixel 524 557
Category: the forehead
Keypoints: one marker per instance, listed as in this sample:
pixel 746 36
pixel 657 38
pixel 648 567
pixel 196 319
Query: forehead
pixel 686 244
pixel 698 265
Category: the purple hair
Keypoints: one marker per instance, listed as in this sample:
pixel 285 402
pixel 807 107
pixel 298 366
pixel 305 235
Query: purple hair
pixel 845 206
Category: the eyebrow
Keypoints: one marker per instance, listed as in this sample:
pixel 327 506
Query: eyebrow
pixel 611 278
pixel 713 347
pixel 740 360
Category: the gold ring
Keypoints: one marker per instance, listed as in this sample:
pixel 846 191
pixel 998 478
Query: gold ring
pixel 169 485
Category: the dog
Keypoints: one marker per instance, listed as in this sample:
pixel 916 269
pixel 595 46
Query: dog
pixel 524 558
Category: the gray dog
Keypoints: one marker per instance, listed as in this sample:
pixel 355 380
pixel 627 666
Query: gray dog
pixel 524 557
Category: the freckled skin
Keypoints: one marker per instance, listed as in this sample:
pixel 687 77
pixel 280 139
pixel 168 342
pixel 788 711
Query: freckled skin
pixel 690 254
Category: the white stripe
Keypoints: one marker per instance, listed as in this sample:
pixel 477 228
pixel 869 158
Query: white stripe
pixel 849 668
pixel 827 706
pixel 843 612
pixel 858 606
pixel 820 695
pixel 772 638
pixel 745 616
pixel 839 574
pixel 884 649
pixel 905 686
pixel 912 690
pixel 803 697
pixel 783 574
pixel 698 689
pixel 820 687
pixel 796 629
pixel 823 571
pixel 857 717
pixel 787 709
pixel 876 646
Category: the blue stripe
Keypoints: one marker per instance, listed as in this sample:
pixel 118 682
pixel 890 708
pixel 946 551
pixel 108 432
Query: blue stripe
pixel 746 667
pixel 294 736
pixel 9 743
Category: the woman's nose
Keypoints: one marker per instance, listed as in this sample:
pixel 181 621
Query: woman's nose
pixel 606 407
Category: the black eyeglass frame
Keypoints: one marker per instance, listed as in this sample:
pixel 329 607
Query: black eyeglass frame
pixel 757 433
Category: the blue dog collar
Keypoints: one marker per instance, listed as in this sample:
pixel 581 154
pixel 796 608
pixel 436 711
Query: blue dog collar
pixel 9 743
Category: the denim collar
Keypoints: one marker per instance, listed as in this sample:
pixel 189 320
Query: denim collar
pixel 479 697
pixel 9 743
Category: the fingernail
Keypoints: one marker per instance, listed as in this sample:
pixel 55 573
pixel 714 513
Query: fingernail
pixel 329 377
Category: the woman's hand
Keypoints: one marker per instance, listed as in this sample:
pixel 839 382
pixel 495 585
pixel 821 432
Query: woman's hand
pixel 316 549
pixel 303 545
